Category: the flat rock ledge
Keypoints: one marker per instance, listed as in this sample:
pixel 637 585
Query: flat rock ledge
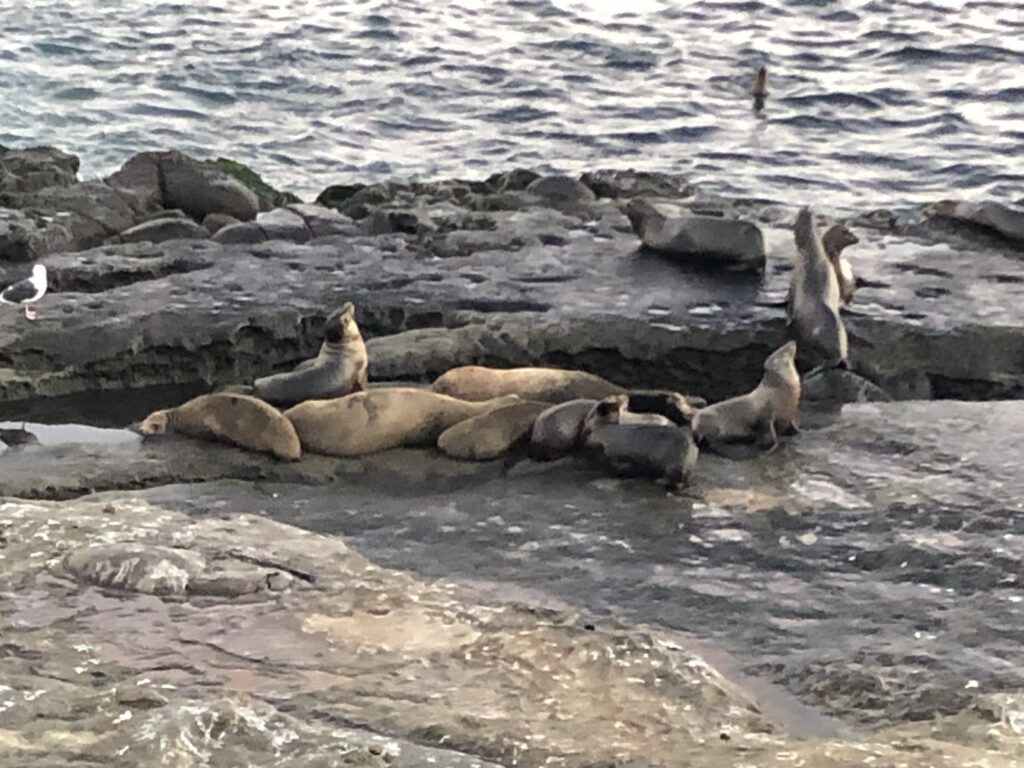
pixel 134 631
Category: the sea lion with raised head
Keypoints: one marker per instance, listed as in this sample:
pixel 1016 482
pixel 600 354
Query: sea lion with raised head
pixel 760 89
pixel 556 431
pixel 379 419
pixel 654 451
pixel 812 307
pixel 835 240
pixel 240 420
pixel 757 417
pixel 492 434
pixel 550 385
pixel 339 369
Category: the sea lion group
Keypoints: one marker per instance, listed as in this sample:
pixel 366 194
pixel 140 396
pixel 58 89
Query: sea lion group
pixel 477 413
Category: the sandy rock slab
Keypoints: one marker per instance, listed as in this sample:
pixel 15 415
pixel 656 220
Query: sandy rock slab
pixel 341 663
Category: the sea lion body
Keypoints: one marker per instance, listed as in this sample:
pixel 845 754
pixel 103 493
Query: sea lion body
pixel 813 302
pixel 731 244
pixel 491 434
pixel 379 419
pixel 339 369
pixel 240 420
pixel 556 431
pixel 759 416
pixel 653 451
pixel 836 238
pixel 550 385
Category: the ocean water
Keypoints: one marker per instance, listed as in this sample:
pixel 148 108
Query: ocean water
pixel 872 103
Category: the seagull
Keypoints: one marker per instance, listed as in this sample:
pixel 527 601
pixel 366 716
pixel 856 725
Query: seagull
pixel 26 291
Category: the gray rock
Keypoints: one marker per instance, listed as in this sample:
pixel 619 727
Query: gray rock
pixel 839 386
pixel 630 183
pixel 242 233
pixel 727 243
pixel 284 224
pixel 19 238
pixel 200 189
pixel 990 214
pixel 35 168
pixel 560 190
pixel 214 222
pixel 322 221
pixel 159 230
pixel 140 178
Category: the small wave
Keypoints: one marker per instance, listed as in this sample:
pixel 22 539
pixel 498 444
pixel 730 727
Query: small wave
pixel 521 114
pixel 834 98
pixel 76 94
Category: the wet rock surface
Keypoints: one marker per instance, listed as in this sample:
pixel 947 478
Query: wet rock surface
pixel 854 595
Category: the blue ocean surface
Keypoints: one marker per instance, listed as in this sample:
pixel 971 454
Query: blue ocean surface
pixel 871 103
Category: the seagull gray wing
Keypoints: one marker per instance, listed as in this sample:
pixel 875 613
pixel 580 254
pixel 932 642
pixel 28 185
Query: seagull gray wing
pixel 23 290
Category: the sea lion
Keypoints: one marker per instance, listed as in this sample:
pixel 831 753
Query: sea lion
pixel 759 416
pixel 760 89
pixel 379 419
pixel 491 434
pixel 812 307
pixel 637 450
pixel 339 369
pixel 240 420
pixel 556 431
pixel 835 239
pixel 551 385
pixel 711 241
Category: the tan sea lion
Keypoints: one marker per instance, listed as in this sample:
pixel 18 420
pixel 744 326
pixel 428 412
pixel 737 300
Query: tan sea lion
pixel 491 434
pixel 551 385
pixel 240 420
pixel 812 306
pixel 379 419
pixel 836 238
pixel 339 369
pixel 637 450
pixel 759 416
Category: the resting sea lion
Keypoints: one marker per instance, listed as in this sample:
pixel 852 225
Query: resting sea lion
pixel 379 419
pixel 551 385
pixel 812 308
pixel 491 434
pixel 757 417
pixel 637 450
pixel 835 239
pixel 338 370
pixel 556 431
pixel 236 419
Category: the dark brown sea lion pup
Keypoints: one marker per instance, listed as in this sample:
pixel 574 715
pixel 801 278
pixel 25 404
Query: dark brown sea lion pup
pixel 379 419
pixel 835 240
pixel 757 417
pixel 813 303
pixel 492 434
pixel 338 370
pixel 637 450
pixel 236 419
pixel 550 385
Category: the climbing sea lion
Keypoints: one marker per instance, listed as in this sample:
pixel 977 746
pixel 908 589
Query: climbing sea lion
pixel 240 420
pixel 491 434
pixel 637 450
pixel 339 369
pixel 759 416
pixel 835 239
pixel 812 308
pixel 379 419
pixel 551 385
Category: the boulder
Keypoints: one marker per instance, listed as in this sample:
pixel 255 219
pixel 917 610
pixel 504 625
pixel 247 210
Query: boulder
pixel 284 224
pixel 19 238
pixel 268 197
pixel 630 183
pixel 1003 219
pixel 199 189
pixel 242 233
pixel 159 230
pixel 214 222
pixel 560 190
pixel 322 221
pixel 29 170
pixel 731 244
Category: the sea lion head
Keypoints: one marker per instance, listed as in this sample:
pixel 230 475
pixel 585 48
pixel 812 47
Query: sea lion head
pixel 837 238
pixel 157 423
pixel 341 325
pixel 782 361
pixel 805 234
pixel 606 411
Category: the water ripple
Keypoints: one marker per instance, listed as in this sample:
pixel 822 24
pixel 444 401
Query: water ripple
pixel 872 103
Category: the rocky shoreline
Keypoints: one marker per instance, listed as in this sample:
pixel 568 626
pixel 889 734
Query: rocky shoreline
pixel 149 606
